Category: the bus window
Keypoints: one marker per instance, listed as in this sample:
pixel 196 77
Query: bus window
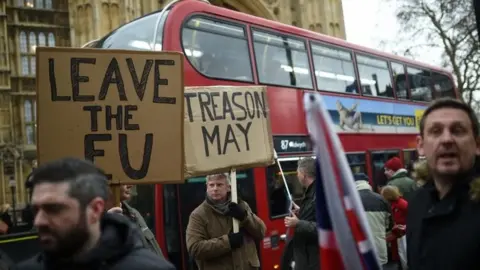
pixel 281 60
pixel 375 78
pixel 378 161
pixel 334 69
pixel 420 84
pixel 443 85
pixel 216 49
pixel 400 80
pixel 277 194
pixel 357 162
pixel 143 199
pixel 136 35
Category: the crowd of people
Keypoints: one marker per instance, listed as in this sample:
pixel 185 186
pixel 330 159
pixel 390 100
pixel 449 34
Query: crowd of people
pixel 428 216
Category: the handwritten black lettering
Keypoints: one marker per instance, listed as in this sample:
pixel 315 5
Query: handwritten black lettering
pixel 113 76
pixel 53 82
pixel 141 84
pixel 128 116
pixel 125 160
pixel 90 152
pixel 76 79
pixel 251 106
pixel 93 109
pixel 260 103
pixel 158 81
pixel 239 106
pixel 111 115
pixel 227 107
pixel 230 138
pixel 188 97
pixel 221 139
pixel 204 102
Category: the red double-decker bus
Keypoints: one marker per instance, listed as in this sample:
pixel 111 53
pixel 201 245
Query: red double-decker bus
pixel 375 100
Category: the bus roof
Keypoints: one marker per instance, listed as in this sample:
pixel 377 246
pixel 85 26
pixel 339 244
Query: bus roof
pixel 202 6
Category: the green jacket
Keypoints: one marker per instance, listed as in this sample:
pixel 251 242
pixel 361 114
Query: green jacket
pixel 148 239
pixel 403 182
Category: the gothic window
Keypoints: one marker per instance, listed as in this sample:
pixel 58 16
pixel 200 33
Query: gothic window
pixel 27 106
pixel 30 120
pixel 32 41
pixel 48 4
pixel 23 42
pixel 20 3
pixel 25 69
pixel 33 65
pixel 42 41
pixel 51 40
pixel 39 4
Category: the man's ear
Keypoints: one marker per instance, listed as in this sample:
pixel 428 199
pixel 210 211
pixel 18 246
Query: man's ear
pixel 420 150
pixel 95 210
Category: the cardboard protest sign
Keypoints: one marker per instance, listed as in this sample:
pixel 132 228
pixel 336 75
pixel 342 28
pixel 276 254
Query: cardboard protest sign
pixel 121 109
pixel 226 127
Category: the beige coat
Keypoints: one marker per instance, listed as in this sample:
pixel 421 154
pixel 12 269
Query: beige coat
pixel 207 239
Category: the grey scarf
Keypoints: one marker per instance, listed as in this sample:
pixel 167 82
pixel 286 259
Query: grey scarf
pixel 221 207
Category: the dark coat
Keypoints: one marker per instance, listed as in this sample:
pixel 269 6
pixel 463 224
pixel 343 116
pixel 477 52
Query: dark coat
pixel 443 234
pixel 120 248
pixel 305 237
pixel 148 239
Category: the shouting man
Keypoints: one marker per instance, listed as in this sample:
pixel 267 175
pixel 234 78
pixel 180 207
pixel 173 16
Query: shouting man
pixel 443 218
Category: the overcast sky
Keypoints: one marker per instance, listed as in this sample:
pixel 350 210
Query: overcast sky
pixel 369 22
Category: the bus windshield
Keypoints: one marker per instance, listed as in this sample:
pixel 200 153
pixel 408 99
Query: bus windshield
pixel 136 35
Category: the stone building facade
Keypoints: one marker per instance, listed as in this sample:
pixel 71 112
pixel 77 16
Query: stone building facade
pixel 27 24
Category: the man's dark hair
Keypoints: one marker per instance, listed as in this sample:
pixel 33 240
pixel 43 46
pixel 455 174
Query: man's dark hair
pixel 86 181
pixel 450 103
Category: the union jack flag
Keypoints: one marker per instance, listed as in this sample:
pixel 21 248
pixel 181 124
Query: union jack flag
pixel 345 240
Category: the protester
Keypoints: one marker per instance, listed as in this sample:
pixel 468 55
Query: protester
pixel 74 230
pixel 210 237
pixel 399 210
pixel 303 220
pixel 378 215
pixel 398 176
pixel 148 238
pixel 443 217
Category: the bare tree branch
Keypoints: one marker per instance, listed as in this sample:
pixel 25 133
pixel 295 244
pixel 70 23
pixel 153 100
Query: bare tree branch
pixel 451 26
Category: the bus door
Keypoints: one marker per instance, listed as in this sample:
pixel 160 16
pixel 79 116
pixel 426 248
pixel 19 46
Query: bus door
pixel 378 159
pixel 181 200
pixel 278 203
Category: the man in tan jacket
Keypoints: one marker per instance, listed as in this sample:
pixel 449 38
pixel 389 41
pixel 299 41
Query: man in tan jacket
pixel 210 237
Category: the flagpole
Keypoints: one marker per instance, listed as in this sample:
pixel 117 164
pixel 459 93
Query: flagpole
pixel 289 194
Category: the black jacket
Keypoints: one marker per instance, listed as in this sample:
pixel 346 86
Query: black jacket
pixel 120 248
pixel 305 237
pixel 443 234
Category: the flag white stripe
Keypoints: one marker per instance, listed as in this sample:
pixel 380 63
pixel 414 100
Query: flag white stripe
pixel 327 239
